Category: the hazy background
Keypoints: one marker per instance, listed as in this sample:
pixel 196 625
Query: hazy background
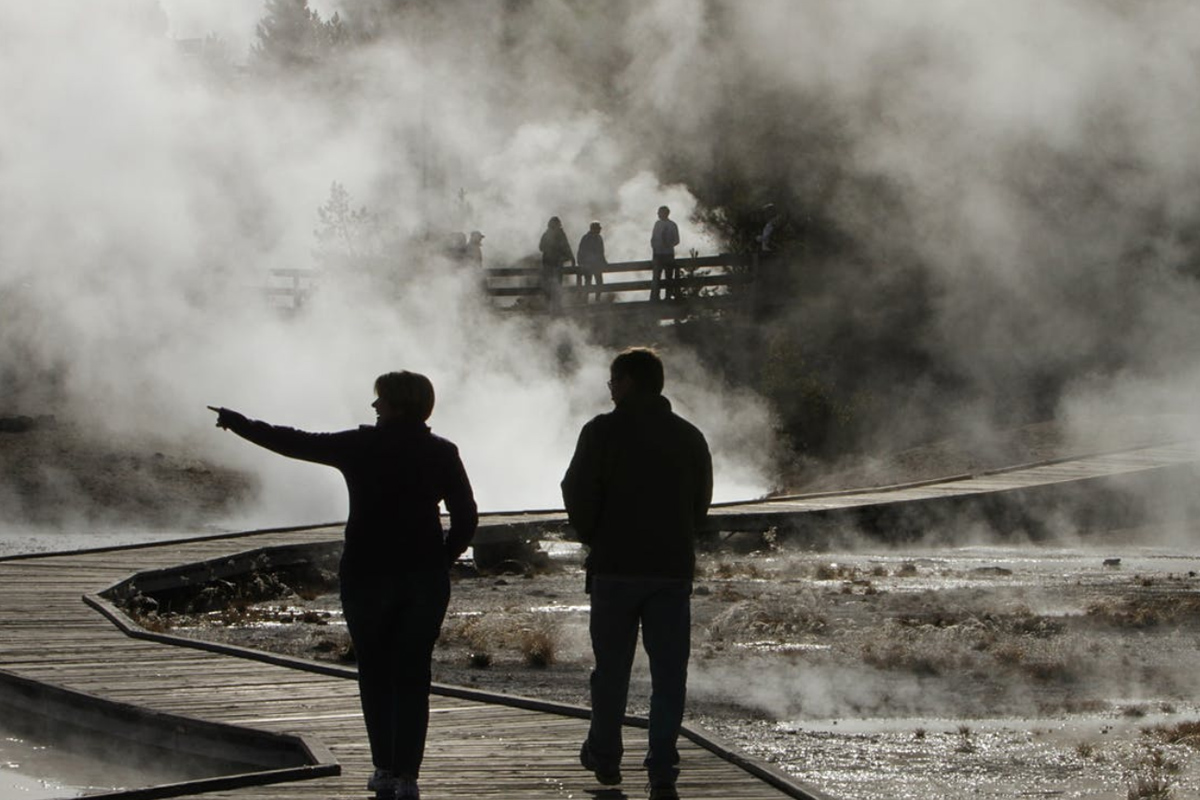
pixel 147 186
pixel 993 209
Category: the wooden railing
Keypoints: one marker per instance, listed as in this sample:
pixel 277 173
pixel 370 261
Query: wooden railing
pixel 292 286
pixel 694 276
pixel 703 278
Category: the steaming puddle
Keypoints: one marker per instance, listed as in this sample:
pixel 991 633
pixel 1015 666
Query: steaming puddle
pixel 31 770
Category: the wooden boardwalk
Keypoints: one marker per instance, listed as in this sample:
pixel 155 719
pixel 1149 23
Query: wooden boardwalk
pixel 477 748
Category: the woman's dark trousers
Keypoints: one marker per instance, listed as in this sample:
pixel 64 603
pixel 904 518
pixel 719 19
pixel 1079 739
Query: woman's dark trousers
pixel 394 620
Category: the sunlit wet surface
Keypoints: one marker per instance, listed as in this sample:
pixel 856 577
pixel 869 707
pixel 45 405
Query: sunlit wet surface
pixel 781 647
pixel 20 776
pixel 977 754
pixel 1092 757
pixel 37 770
pixel 64 764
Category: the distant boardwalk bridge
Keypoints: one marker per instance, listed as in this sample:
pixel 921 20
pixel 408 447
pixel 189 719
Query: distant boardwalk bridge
pixel 716 281
pixel 727 281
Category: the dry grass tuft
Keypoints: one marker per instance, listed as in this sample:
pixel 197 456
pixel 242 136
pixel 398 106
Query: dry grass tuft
pixel 899 656
pixel 945 645
pixel 775 618
pixel 1150 787
pixel 1146 612
pixel 539 646
pixel 1185 733
pixel 1151 782
pixel 338 646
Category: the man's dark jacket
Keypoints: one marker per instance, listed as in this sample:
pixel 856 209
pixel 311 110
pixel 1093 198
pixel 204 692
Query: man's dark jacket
pixel 396 474
pixel 638 489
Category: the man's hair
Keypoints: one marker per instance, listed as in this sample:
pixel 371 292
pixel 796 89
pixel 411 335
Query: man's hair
pixel 664 208
pixel 642 366
pixel 410 394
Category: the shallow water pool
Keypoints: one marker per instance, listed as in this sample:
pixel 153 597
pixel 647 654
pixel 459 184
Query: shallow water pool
pixel 32 769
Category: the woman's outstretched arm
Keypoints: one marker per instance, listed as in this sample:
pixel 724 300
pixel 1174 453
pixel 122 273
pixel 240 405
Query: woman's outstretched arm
pixel 320 448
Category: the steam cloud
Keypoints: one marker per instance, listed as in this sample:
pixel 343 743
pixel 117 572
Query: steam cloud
pixel 1019 183
pixel 145 195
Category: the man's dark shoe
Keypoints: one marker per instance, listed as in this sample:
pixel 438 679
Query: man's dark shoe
pixel 406 789
pixel 605 775
pixel 663 791
pixel 383 784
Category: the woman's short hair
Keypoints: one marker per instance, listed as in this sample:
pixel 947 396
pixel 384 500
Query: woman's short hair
pixel 643 367
pixel 409 394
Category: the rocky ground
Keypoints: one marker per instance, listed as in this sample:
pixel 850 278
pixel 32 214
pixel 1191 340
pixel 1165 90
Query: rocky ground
pixel 57 474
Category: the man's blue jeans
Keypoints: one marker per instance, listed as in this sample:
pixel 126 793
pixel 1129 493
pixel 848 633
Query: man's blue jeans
pixel 394 621
pixel 662 607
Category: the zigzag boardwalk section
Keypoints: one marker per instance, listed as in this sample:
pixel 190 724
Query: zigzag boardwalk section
pixel 481 747
pixel 477 749
pixel 1105 490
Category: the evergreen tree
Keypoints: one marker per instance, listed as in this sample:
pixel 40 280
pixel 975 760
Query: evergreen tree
pixel 346 233
pixel 292 36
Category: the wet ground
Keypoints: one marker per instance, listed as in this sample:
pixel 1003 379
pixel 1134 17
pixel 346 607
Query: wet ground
pixel 40 769
pixel 989 671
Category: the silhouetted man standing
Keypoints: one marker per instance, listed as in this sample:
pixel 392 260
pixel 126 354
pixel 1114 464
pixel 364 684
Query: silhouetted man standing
pixel 395 567
pixel 591 258
pixel 637 490
pixel 663 239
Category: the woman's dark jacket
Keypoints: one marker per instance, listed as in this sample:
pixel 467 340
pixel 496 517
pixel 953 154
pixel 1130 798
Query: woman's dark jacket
pixel 396 474
pixel 638 489
pixel 555 247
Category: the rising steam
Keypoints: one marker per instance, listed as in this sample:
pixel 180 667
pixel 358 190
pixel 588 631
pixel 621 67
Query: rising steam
pixel 996 199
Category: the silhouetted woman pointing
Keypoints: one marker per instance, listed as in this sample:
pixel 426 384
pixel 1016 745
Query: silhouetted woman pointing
pixel 395 568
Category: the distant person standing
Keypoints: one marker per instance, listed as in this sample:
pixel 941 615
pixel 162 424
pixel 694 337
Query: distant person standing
pixel 591 258
pixel 663 240
pixel 636 492
pixel 474 255
pixel 395 567
pixel 767 239
pixel 556 251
